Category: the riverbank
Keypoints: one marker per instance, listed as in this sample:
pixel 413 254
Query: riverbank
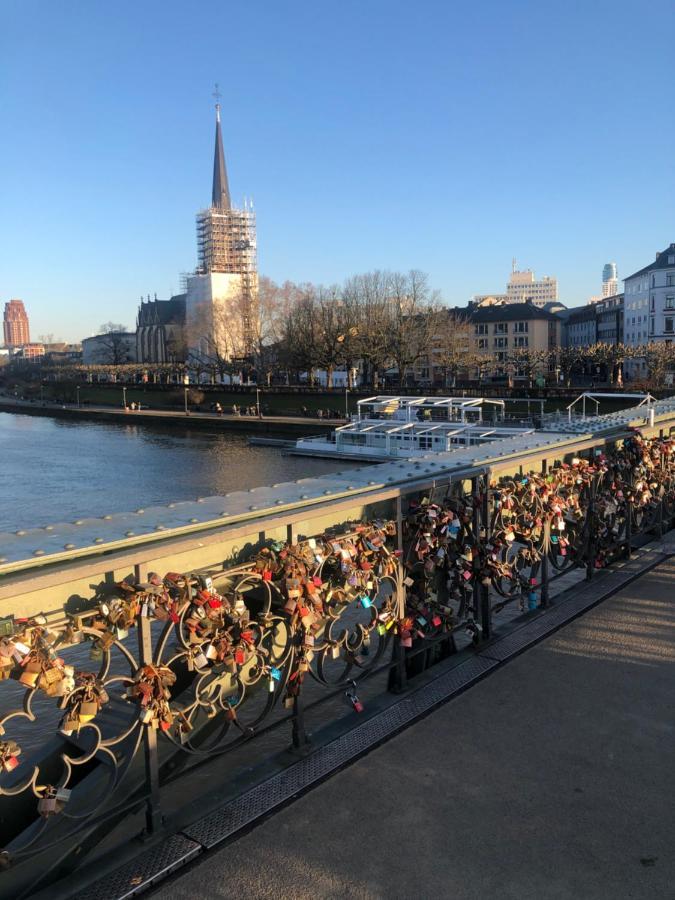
pixel 283 425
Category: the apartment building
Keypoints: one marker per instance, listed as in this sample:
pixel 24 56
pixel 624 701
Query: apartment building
pixel 498 330
pixel 649 305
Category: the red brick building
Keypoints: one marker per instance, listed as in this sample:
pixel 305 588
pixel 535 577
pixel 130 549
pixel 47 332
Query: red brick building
pixel 15 324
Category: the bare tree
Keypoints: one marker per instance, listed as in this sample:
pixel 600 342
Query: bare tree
pixel 366 298
pixel 451 345
pixel 113 345
pixel 413 309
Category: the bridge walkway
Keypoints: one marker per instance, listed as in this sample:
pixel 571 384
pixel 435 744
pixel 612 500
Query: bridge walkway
pixel 551 778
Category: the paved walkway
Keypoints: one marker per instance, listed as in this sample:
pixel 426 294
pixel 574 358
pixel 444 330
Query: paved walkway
pixel 227 420
pixel 552 778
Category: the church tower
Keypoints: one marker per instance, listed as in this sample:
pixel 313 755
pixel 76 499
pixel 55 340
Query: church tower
pixel 222 295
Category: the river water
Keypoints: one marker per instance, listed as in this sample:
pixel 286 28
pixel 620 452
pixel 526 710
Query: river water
pixel 55 470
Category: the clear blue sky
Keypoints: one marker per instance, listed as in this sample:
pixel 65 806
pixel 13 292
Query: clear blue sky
pixel 445 136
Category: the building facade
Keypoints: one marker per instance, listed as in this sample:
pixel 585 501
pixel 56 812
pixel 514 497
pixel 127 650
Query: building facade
pixel 522 287
pixel 649 305
pixel 579 326
pixel 222 294
pixel 16 329
pixel 160 330
pixel 499 330
pixel 609 320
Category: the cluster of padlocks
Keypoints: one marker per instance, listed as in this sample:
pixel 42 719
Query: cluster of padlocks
pixel 325 606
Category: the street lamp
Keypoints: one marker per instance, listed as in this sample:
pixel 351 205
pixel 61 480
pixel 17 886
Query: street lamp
pixel 124 397
pixel 77 388
pixel 186 382
pixel 347 404
pixel 257 401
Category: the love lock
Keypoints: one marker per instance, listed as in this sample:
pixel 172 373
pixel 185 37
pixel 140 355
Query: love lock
pixel 350 694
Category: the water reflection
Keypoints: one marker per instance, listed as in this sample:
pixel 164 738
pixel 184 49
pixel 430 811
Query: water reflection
pixel 53 470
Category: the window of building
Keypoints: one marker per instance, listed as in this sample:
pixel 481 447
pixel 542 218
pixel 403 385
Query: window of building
pixel 670 280
pixel 521 327
pixel 668 327
pixel 521 342
pixel 653 280
pixel 501 328
pixel 670 301
pixel 480 329
pixel 501 342
pixel 671 260
pixel 482 343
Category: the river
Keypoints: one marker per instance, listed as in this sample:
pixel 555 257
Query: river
pixel 55 470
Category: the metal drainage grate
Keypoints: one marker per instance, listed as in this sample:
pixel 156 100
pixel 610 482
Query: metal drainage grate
pixel 141 873
pixel 263 798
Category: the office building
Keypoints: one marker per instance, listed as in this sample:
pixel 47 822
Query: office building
pixel 610 282
pixel 15 324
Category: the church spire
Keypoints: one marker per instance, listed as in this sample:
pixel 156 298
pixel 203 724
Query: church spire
pixel 220 196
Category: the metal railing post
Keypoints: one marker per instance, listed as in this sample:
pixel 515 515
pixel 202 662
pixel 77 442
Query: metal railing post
pixel 300 738
pixel 629 529
pixel 544 601
pixel 398 680
pixel 590 535
pixel 484 536
pixel 153 811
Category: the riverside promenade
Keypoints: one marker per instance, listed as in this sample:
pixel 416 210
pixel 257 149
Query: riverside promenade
pixel 296 425
pixel 553 777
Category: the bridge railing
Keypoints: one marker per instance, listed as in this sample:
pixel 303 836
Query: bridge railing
pixel 227 654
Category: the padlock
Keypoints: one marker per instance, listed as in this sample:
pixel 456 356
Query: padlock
pixel 9 763
pixel 355 702
pixel 200 660
pixel 47 806
pixel 70 724
pixel 30 675
pixel 146 716
pixel 87 711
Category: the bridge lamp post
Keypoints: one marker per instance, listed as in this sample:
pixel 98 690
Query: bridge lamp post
pixel 186 382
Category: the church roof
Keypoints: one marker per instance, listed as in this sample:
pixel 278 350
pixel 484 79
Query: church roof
pixel 163 312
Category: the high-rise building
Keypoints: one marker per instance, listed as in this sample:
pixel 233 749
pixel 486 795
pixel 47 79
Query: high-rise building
pixel 523 288
pixel 610 282
pixel 15 324
pixel 222 294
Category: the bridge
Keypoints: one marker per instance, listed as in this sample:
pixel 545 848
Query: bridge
pixel 161 665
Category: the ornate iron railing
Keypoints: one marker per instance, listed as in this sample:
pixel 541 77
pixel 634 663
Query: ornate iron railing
pixel 218 653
